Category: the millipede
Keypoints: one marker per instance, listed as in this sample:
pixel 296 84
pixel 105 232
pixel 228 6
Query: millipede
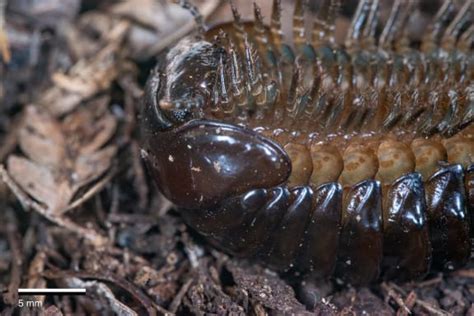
pixel 353 161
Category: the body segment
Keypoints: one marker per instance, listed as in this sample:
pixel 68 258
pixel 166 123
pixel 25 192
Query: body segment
pixel 354 161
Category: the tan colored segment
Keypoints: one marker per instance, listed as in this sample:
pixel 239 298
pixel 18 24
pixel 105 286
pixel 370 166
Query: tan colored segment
pixel 327 164
pixel 360 163
pixel 301 165
pixel 468 132
pixel 282 137
pixel 460 150
pixel 268 133
pixel 395 160
pixel 428 154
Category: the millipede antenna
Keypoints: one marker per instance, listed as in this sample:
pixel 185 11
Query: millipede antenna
pixel 198 18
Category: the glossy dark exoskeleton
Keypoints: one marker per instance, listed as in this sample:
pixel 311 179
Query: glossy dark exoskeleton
pixel 239 141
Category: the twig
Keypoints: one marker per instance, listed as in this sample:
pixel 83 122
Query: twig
pixel 179 297
pixel 101 289
pixel 4 46
pixel 92 191
pixel 465 273
pixel 429 307
pixel 430 282
pixel 14 241
pixel 129 218
pixel 396 297
pixel 28 203
pixel 34 273
pixel 147 303
pixel 410 300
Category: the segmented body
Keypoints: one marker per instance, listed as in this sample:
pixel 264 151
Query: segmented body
pixel 346 161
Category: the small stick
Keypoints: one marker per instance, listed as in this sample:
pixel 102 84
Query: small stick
pixel 429 307
pixel 28 203
pixel 121 282
pixel 173 307
pixel 430 282
pixel 396 297
pixel 4 45
pixel 14 241
pixel 91 192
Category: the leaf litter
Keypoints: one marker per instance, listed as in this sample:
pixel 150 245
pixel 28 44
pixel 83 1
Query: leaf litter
pixel 88 215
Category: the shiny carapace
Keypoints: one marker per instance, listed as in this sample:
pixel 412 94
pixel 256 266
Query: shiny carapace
pixel 351 160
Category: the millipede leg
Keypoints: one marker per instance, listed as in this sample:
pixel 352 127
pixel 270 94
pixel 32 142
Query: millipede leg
pixel 466 39
pixel 463 18
pixel 358 22
pixel 275 24
pixel 435 30
pixel 299 32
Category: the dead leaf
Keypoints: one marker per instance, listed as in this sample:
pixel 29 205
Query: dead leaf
pixel 40 138
pixel 100 127
pixel 39 182
pixel 87 77
pixel 63 156
pixel 91 166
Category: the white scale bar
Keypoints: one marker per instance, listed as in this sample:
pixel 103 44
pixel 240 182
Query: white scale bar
pixel 49 291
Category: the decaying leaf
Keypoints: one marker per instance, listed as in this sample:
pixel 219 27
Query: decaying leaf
pixel 40 183
pixel 62 157
pixel 41 139
pixel 87 77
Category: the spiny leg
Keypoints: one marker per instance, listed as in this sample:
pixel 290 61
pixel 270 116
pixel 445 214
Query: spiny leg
pixel 261 36
pixel 370 27
pixel 391 26
pixel 463 18
pixel 333 12
pixel 357 24
pixel 254 76
pixel 430 40
pixel 237 77
pixel 299 32
pixel 223 99
pixel 466 40
pixel 275 24
pixel 402 36
pixel 237 23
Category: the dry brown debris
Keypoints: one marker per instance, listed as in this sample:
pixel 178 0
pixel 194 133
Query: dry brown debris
pixel 61 158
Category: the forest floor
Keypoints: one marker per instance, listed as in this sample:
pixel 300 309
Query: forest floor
pixel 78 209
